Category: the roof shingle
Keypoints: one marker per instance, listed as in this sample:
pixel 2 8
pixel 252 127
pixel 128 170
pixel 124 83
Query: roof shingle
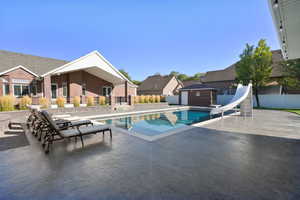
pixel 38 65
pixel 228 74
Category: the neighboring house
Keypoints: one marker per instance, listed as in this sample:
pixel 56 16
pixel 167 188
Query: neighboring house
pixel 224 80
pixel 160 85
pixel 89 75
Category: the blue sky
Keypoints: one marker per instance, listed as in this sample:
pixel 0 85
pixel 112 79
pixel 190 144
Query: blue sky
pixel 141 36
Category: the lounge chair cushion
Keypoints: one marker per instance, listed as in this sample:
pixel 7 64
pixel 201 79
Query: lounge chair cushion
pixel 84 130
pixel 82 122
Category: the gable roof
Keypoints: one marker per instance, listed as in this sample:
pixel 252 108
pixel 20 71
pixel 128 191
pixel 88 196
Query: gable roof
pixel 155 83
pixel 41 66
pixel 228 74
pixel 36 64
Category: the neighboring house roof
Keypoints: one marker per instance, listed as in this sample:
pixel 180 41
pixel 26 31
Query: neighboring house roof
pixel 155 83
pixel 228 74
pixel 198 87
pixel 36 64
pixel 188 83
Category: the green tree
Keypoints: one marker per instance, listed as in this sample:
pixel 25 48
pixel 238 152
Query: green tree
pixel 136 82
pixel 125 74
pixel 174 73
pixel 291 72
pixel 255 65
pixel 182 77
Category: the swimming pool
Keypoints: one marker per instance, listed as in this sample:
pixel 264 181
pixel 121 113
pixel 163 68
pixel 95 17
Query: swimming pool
pixel 158 123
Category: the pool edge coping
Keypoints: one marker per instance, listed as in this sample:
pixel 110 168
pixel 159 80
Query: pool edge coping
pixel 172 132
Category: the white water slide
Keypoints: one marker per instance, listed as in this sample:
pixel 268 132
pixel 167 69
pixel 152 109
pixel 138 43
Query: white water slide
pixel 240 95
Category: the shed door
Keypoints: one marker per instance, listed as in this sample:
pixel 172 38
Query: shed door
pixel 184 98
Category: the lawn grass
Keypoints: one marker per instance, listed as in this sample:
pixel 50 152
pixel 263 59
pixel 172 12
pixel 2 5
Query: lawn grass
pixel 297 111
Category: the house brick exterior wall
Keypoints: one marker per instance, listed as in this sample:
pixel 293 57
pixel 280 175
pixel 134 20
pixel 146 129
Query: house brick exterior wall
pixel 18 73
pixel 119 90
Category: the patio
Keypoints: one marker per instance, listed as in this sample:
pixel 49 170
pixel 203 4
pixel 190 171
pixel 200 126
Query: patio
pixel 234 158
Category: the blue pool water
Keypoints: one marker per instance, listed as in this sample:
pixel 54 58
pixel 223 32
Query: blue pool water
pixel 158 123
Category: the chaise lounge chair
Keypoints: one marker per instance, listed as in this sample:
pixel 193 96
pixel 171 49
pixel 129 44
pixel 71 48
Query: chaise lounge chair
pixel 55 131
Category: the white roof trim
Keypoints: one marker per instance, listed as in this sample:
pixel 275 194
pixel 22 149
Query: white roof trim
pixel 19 67
pixel 100 56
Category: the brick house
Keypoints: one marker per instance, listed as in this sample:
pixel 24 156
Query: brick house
pixel 160 85
pixel 89 75
pixel 224 80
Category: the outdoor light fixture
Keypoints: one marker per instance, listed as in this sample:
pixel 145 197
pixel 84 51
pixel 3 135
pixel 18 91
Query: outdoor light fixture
pixel 275 5
pixel 280 27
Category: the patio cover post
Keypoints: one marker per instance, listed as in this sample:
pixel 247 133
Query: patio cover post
pixel 126 91
pixel 47 87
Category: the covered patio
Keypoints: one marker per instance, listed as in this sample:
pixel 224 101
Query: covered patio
pixel 90 75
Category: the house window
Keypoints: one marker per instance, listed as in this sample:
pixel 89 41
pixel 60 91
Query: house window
pixel 53 90
pixel 197 94
pixel 5 89
pixel 65 89
pixel 20 90
pixel 106 91
pixel 83 89
pixel 33 89
pixel 25 90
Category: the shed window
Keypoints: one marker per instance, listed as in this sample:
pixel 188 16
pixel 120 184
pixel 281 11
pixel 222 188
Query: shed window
pixel 198 93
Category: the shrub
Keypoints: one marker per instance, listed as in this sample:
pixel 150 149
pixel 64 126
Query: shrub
pixel 147 98
pixel 151 99
pixel 7 103
pixel 90 101
pixel 44 102
pixel 24 102
pixel 76 101
pixel 60 101
pixel 157 98
pixel 136 99
pixel 102 100
pixel 142 99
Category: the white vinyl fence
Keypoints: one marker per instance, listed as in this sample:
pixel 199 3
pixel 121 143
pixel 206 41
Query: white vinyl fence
pixel 172 99
pixel 269 101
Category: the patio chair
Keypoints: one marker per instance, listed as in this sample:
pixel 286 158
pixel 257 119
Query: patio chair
pixel 55 131
pixel 40 126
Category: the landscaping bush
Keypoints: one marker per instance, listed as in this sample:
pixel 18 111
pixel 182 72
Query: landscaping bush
pixel 76 101
pixel 157 98
pixel 44 102
pixel 152 99
pixel 24 102
pixel 147 98
pixel 136 99
pixel 90 101
pixel 142 99
pixel 60 101
pixel 102 100
pixel 7 103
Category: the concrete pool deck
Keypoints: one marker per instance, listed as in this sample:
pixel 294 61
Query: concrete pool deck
pixel 233 158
